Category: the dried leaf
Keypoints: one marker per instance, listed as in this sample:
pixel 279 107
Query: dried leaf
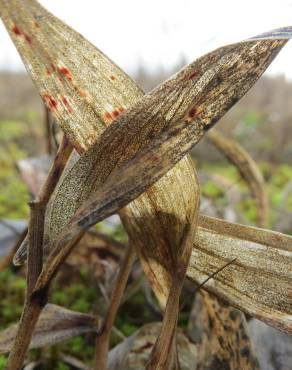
pixel 258 282
pixel 55 325
pixel 33 171
pixel 248 170
pixel 133 353
pixel 98 92
pixel 197 97
pixel 221 334
pixel 240 65
pixel 65 67
pixel 217 81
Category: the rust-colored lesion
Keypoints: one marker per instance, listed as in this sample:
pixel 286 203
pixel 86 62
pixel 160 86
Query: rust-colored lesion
pixel 107 117
pixel 19 32
pixel 65 72
pixel 67 104
pixel 50 101
pixel 193 74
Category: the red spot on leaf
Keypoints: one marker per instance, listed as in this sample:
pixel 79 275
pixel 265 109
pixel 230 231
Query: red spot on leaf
pixel 51 102
pixel 53 67
pixel 65 71
pixel 27 38
pixel 17 30
pixel 155 158
pixel 116 113
pixel 192 112
pixel 192 75
pixel 108 117
pixel 48 72
pixel 67 104
pixel 112 77
pixel 121 109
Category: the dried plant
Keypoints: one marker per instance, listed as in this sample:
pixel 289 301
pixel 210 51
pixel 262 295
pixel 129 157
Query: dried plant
pixel 130 156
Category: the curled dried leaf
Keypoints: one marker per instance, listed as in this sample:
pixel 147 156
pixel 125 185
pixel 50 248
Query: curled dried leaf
pixel 133 353
pixel 56 324
pixel 258 282
pixel 224 74
pixel 96 94
pixel 248 169
pixel 177 113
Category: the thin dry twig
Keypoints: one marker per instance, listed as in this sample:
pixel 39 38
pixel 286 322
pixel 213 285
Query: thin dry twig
pixel 102 343
pixel 33 305
pixel 48 187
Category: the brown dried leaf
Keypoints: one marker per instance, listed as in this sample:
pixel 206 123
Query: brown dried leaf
pixel 248 170
pixel 55 325
pixel 258 282
pixel 230 71
pixel 133 353
pixel 221 335
pixel 34 171
pixel 100 91
pixel 197 96
pixel 65 67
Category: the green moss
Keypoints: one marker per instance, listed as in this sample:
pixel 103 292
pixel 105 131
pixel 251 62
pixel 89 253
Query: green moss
pixel 248 208
pixel 12 297
pixel 62 366
pixel 74 296
pixel 211 190
pixel 252 118
pixel 11 130
pixel 3 362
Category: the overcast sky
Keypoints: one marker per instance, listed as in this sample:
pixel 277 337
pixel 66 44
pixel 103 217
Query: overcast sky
pixel 159 32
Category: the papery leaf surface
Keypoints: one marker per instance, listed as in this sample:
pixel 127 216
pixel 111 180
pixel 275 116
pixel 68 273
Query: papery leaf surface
pixel 86 91
pixel 258 282
pixel 56 324
pixel 226 74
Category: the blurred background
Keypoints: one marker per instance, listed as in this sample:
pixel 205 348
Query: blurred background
pixel 151 41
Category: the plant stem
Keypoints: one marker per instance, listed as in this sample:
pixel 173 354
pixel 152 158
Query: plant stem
pixel 63 153
pixel 35 250
pixel 48 127
pixel 164 355
pixel 102 343
pixel 55 172
pixel 33 304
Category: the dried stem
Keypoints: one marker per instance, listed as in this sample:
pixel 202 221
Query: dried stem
pixel 35 250
pixel 164 355
pixel 52 179
pixel 63 153
pixel 48 126
pixel 33 304
pixel 102 343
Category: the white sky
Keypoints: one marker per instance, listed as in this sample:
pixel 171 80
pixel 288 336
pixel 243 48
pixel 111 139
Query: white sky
pixel 158 32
